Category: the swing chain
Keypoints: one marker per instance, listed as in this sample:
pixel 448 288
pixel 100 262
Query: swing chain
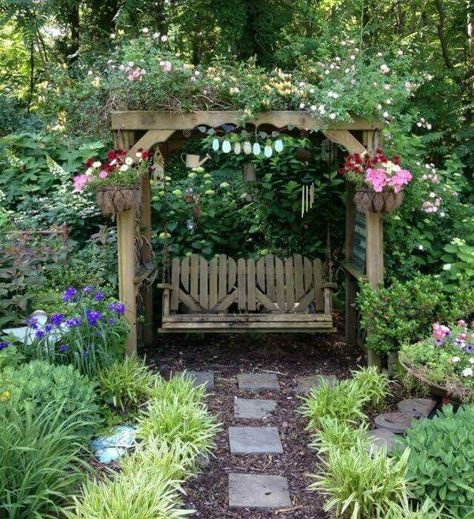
pixel 165 256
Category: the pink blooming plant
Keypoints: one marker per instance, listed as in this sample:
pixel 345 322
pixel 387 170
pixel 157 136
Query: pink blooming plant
pixel 388 175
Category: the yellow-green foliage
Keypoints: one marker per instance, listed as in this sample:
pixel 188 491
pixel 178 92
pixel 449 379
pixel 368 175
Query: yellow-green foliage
pixel 174 428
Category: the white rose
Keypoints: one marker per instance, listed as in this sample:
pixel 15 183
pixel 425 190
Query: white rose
pixel 129 161
pixel 124 167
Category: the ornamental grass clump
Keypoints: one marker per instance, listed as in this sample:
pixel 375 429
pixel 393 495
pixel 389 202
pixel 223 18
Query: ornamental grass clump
pixel 127 383
pixel 179 387
pixel 41 458
pixel 88 332
pixel 342 402
pixel 441 461
pixel 173 420
pixel 361 483
pixel 373 384
pixel 338 434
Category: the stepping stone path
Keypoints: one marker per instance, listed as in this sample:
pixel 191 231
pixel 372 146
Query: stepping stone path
pixel 202 378
pixel 389 425
pixel 383 438
pixel 258 382
pixel 259 492
pixel 305 384
pixel 253 409
pixel 254 440
pixel 417 407
pixel 256 491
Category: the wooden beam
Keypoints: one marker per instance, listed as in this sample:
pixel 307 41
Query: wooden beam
pixel 346 139
pixel 140 120
pixel 148 140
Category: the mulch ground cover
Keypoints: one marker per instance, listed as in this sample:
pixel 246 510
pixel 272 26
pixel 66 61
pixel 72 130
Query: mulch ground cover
pixel 289 356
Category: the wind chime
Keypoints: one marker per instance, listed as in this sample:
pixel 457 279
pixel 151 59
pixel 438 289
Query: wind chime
pixel 307 189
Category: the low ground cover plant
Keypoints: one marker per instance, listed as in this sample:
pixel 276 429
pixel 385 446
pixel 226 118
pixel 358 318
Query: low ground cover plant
pixel 441 460
pixel 34 385
pixel 446 358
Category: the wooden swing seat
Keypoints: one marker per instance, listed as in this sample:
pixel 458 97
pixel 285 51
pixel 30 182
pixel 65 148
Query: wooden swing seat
pixel 267 295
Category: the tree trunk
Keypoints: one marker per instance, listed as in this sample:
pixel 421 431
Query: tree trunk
pixel 441 33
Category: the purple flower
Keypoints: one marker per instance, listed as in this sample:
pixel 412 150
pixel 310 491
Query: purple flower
pixel 4 344
pixel 99 296
pixel 93 317
pixel 75 321
pixel 48 328
pixel 118 308
pixel 111 321
pixel 32 322
pixel 469 347
pixel 87 290
pixel 56 319
pixel 63 348
pixel 85 353
pixel 40 334
pixel 69 294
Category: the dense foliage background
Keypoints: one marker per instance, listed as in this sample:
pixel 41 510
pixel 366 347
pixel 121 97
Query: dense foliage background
pixel 57 81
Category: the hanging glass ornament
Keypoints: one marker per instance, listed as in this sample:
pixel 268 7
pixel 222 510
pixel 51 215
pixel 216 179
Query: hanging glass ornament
pixel 278 145
pixel 256 149
pixel 268 151
pixel 247 148
pixel 215 144
pixel 226 146
pixel 237 148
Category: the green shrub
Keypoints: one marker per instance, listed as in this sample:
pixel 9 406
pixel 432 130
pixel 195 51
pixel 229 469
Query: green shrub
pixel 32 386
pixel 40 458
pixel 404 311
pixel 342 402
pixel 441 462
pixel 174 420
pixel 361 484
pixel 373 384
pixel 127 383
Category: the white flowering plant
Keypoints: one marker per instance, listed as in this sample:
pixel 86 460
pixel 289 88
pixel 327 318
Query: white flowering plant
pixel 119 170
pixel 149 73
pixel 445 359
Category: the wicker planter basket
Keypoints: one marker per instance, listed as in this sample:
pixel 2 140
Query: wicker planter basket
pixel 455 394
pixel 118 199
pixel 366 199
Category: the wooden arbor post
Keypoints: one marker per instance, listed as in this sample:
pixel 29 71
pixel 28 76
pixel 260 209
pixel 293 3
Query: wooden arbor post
pixel 374 245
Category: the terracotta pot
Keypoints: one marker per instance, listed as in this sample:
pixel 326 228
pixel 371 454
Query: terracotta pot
pixel 118 199
pixel 366 199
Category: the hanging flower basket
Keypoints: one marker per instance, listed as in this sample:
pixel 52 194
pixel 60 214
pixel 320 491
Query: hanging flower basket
pixel 118 199
pixel 366 199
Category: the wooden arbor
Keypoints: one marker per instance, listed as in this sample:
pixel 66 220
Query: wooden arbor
pixel 134 129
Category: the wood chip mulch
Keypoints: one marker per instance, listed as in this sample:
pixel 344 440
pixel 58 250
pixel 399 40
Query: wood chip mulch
pixel 289 356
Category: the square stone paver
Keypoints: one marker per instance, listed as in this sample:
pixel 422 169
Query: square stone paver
pixel 202 378
pixel 417 407
pixel 258 382
pixel 258 492
pixel 254 440
pixel 314 381
pixel 253 408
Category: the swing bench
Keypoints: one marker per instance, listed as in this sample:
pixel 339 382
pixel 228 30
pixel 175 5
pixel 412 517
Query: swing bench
pixel 267 295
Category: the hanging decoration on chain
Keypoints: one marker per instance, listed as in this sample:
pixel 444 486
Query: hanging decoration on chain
pixel 258 144
pixel 307 188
